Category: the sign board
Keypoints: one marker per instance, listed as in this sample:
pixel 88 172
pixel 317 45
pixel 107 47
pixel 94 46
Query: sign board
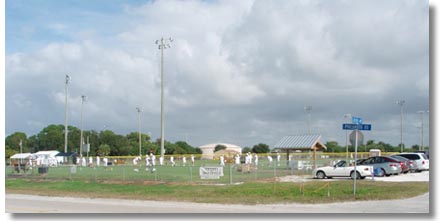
pixel 210 172
pixel 356 126
pixel 356 120
pixel 353 138
pixel 86 147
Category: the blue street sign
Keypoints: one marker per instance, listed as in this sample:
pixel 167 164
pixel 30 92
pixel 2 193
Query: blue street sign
pixel 356 120
pixel 356 126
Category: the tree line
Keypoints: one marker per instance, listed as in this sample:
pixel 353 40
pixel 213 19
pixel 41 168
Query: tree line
pixel 104 143
pixel 108 143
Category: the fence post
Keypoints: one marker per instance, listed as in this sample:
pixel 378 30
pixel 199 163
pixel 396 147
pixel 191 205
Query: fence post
pixel 230 174
pixel 123 174
pixel 190 174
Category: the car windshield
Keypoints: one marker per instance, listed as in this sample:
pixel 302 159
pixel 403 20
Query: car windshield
pixel 341 163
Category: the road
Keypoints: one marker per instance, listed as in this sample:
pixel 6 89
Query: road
pixel 16 203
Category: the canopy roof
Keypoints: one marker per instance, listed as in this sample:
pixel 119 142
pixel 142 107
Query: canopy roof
pixel 300 142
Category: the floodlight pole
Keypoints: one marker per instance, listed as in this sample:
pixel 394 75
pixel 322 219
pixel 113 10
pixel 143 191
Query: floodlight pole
pixel 65 114
pixel 421 114
pixel 139 127
pixel 308 110
pixel 163 44
pixel 401 103
pixel 83 98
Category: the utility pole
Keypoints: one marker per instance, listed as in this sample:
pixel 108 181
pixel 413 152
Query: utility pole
pixel 421 114
pixel 401 103
pixel 83 98
pixel 308 110
pixel 139 129
pixel 163 44
pixel 347 118
pixel 65 114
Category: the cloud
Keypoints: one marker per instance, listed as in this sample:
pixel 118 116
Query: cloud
pixel 236 71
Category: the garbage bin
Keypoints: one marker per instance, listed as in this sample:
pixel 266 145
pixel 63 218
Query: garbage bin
pixel 43 170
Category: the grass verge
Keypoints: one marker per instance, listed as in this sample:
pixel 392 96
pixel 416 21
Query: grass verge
pixel 248 193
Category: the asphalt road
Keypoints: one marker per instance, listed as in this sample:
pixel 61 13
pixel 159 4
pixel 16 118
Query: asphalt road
pixel 16 203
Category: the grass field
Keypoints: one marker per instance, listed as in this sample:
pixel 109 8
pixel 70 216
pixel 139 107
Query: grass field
pixel 246 193
pixel 185 174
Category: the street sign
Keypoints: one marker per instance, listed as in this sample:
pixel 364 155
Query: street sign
pixel 356 126
pixel 356 120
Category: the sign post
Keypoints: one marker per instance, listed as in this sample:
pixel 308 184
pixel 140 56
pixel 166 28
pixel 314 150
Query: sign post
pixel 356 125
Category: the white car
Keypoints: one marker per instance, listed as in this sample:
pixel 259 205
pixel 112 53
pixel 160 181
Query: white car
pixel 341 169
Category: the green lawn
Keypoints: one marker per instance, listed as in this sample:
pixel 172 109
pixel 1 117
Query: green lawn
pixel 246 193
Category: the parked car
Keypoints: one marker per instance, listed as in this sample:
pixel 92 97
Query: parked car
pixel 383 166
pixel 342 169
pixel 405 164
pixel 420 161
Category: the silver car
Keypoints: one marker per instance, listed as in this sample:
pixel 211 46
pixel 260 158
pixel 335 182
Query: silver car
pixel 383 166
pixel 420 161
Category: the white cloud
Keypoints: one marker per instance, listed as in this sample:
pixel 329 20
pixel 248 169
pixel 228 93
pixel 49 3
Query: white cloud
pixel 237 64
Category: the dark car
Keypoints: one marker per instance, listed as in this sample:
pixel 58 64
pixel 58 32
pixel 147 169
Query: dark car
pixel 405 164
pixel 383 166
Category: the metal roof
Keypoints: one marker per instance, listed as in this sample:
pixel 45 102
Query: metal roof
pixel 299 142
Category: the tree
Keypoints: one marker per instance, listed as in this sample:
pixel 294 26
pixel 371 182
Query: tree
pixel 246 150
pixel 13 142
pixel 103 150
pixel 261 148
pixel 332 146
pixel 219 147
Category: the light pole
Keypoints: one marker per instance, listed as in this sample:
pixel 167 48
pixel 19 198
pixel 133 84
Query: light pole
pixel 308 110
pixel 401 103
pixel 421 114
pixel 139 127
pixel 65 114
pixel 83 99
pixel 163 44
pixel 347 118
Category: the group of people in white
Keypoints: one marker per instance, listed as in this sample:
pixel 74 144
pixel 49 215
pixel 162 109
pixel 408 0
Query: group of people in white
pixel 81 161
pixel 150 161
pixel 250 158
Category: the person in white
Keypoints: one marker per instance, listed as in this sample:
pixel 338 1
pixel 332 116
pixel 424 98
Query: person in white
pixel 222 160
pixel 98 161
pixel 105 161
pixel 278 159
pixel 270 160
pixel 172 161
pixel 192 159
pixel 256 159
pixel 246 159
pixel 77 160
pixel 161 161
pixel 237 159
pixel 147 162
pixel 153 159
pixel 250 158
pixel 84 163
pixel 90 161
pixel 184 161
pixel 135 161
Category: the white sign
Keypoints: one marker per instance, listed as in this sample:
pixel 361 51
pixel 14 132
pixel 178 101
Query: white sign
pixel 210 172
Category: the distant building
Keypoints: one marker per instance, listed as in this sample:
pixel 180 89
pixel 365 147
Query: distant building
pixel 208 149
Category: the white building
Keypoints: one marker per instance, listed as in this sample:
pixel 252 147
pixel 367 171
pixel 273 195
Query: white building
pixel 208 149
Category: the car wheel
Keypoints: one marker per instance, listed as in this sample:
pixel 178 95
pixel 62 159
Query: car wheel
pixel 320 175
pixel 358 175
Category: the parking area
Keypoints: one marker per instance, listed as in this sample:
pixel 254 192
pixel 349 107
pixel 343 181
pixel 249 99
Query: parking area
pixel 409 177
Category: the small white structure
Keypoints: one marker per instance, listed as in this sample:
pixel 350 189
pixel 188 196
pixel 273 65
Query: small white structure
pixel 49 157
pixel 375 152
pixel 208 149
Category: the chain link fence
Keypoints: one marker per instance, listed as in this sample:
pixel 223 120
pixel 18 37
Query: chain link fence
pixel 181 169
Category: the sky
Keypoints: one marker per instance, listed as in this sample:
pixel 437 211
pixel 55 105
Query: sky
pixel 238 72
